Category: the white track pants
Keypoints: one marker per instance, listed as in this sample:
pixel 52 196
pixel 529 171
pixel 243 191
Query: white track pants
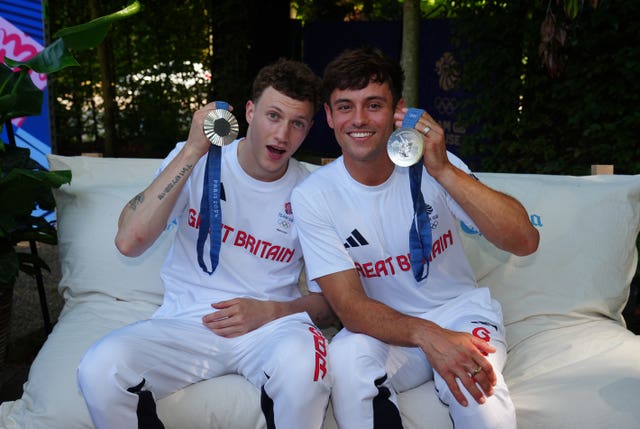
pixel 368 374
pixel 143 362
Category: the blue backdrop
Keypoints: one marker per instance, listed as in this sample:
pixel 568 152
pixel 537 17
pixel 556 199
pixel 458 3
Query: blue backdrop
pixel 21 37
pixel 438 70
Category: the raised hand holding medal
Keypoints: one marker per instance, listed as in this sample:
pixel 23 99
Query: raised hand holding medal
pixel 221 128
pixel 406 145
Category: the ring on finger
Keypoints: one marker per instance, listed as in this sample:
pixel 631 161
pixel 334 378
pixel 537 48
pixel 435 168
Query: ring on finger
pixel 476 371
pixel 426 130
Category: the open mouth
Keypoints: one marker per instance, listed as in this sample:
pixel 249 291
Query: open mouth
pixel 276 151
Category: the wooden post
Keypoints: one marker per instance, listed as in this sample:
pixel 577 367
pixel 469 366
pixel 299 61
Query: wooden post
pixel 601 169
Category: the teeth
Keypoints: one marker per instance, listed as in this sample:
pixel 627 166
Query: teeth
pixel 360 134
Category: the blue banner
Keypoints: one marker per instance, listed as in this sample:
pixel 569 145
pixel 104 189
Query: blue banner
pixel 22 37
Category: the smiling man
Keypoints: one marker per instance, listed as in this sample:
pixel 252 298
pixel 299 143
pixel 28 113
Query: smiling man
pixel 242 312
pixel 382 243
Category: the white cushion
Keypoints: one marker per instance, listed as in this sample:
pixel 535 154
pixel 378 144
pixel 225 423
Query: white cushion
pixel 586 258
pixel 581 376
pixel 88 211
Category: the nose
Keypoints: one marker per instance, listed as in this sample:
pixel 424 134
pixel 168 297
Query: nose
pixel 282 132
pixel 359 117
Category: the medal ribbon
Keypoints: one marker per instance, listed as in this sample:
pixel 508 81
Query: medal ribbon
pixel 420 232
pixel 210 211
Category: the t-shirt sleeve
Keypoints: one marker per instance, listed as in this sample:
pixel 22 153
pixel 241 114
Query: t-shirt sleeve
pixel 322 249
pixel 455 208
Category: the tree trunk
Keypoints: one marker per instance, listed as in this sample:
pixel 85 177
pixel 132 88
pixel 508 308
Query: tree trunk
pixel 108 88
pixel 410 50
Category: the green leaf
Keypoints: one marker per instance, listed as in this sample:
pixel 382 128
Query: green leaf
pixel 18 95
pixel 24 189
pixel 51 59
pixel 90 34
pixel 572 8
pixel 16 157
pixel 9 264
pixel 7 224
pixel 56 56
pixel 23 185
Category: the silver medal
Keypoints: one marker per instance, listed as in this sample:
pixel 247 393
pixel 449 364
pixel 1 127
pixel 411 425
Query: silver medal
pixel 220 127
pixel 405 146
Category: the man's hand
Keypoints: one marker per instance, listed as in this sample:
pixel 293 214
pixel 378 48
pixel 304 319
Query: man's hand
pixel 238 316
pixel 435 149
pixel 459 355
pixel 197 141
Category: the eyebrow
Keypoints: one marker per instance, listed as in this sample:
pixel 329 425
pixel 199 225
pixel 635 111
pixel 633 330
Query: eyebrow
pixel 370 98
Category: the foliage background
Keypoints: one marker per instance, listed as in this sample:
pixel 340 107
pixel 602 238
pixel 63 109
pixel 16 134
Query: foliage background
pixel 523 119
pixel 167 39
pixel 520 119
pixel 150 112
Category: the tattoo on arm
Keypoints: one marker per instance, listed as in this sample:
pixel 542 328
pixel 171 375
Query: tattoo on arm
pixel 136 201
pixel 175 181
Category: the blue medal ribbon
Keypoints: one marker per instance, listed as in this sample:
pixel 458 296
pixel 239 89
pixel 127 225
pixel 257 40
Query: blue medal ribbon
pixel 210 210
pixel 420 232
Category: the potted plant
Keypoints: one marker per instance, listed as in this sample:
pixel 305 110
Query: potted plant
pixel 24 185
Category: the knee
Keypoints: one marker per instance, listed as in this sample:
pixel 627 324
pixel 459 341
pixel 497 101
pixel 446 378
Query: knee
pixel 298 373
pixel 349 355
pixel 91 367
pixel 497 412
pixel 99 362
pixel 303 361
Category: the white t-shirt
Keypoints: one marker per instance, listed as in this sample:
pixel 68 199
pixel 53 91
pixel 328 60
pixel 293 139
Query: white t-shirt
pixel 260 255
pixel 344 224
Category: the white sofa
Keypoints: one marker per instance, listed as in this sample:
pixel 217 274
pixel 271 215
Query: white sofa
pixel 572 363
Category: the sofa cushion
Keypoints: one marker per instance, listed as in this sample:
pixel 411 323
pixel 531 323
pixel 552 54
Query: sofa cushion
pixel 88 210
pixel 51 397
pixel 586 258
pixel 580 376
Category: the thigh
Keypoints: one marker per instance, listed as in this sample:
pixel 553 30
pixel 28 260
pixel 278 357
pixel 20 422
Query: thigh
pixel 484 324
pixel 288 341
pixel 405 367
pixel 167 353
pixel 408 367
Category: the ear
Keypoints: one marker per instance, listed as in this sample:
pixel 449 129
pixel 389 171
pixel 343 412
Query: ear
pixel 401 104
pixel 249 109
pixel 327 112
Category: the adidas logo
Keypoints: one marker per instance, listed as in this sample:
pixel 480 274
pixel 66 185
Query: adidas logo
pixel 355 240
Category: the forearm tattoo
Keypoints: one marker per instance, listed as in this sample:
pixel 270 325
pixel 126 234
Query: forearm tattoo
pixel 175 181
pixel 136 201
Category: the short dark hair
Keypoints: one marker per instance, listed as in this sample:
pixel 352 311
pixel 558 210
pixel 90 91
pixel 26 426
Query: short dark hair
pixel 356 68
pixel 292 78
